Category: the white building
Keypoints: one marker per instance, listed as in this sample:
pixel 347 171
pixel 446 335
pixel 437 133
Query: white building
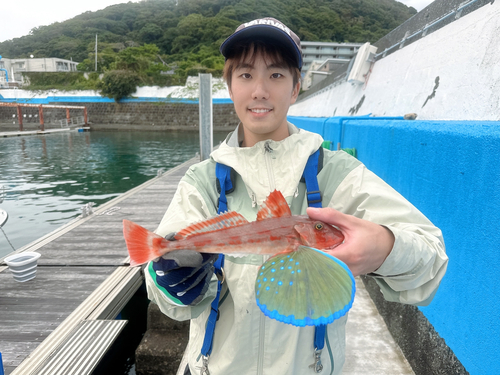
pixel 319 70
pixel 13 68
pixel 321 51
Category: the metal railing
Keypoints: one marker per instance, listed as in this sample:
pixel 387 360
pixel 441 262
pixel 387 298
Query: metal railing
pixel 73 121
pixel 456 13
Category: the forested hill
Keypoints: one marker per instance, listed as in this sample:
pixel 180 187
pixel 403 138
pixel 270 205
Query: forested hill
pixel 180 28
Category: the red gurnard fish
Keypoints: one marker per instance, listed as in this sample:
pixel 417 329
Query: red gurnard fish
pixel 275 231
pixel 298 284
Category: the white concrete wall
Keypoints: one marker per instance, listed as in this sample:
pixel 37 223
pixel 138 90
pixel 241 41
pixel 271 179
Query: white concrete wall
pixel 465 55
pixel 190 90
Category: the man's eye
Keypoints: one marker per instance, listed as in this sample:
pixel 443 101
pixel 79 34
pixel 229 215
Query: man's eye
pixel 277 75
pixel 246 75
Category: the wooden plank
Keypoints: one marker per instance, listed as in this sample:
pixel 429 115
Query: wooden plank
pixel 78 275
pixel 30 311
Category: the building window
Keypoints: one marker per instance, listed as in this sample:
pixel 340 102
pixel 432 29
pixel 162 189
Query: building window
pixel 62 66
pixel 20 65
pixel 1 65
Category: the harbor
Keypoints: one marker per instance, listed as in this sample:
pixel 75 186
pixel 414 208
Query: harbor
pixel 82 275
pixel 83 278
pixel 416 108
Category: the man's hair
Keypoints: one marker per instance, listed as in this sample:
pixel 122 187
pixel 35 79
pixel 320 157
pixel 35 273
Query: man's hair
pixel 247 52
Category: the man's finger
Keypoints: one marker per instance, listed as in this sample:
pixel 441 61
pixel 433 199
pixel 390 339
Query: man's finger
pixel 330 216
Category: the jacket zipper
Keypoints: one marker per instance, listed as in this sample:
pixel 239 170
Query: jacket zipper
pixel 262 329
pixel 267 155
pixel 260 358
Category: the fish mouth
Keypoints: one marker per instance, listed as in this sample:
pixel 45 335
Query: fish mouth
pixel 334 246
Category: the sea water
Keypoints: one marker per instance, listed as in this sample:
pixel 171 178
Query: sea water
pixel 45 180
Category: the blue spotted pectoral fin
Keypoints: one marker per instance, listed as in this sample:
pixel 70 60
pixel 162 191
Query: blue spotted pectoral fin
pixel 306 287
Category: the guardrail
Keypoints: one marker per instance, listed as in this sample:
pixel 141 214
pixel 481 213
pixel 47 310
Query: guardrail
pixel 69 121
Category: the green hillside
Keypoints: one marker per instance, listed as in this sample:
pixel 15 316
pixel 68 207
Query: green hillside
pixel 183 35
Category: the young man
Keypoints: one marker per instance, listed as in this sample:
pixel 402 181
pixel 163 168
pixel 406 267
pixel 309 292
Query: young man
pixel 385 236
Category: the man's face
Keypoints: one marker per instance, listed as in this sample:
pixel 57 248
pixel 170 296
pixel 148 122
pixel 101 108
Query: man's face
pixel 262 94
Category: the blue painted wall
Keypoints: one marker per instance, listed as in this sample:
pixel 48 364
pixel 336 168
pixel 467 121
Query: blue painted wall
pixel 450 170
pixel 102 99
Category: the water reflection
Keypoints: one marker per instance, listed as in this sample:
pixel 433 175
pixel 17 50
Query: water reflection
pixel 48 178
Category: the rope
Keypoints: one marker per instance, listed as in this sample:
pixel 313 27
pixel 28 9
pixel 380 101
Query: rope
pixel 7 238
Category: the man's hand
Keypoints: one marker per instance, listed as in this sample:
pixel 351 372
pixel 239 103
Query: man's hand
pixel 366 244
pixel 185 274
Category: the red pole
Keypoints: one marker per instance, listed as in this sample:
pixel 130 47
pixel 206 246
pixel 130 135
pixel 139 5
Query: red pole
pixel 40 115
pixel 68 118
pixel 20 117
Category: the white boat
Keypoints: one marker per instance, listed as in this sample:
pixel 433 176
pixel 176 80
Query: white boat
pixel 3 217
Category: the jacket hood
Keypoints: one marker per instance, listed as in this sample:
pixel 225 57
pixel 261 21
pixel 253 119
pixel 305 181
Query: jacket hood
pixel 269 165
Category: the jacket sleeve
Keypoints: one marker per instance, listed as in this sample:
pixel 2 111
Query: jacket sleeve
pixel 413 270
pixel 187 206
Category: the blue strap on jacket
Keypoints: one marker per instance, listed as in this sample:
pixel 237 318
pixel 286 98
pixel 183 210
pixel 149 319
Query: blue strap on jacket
pixel 223 174
pixel 225 182
pixel 314 199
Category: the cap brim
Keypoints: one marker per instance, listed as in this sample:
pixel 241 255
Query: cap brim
pixel 262 32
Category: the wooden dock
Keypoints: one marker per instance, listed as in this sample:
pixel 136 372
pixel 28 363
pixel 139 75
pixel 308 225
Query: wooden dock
pixel 82 275
pixel 4 134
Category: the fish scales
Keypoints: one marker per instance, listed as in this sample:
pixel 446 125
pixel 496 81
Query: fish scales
pixel 275 231
pixel 266 237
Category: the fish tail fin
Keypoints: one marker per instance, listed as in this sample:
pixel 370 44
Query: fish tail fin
pixel 142 244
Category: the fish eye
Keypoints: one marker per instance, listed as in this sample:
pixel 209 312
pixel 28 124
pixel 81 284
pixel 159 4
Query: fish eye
pixel 318 226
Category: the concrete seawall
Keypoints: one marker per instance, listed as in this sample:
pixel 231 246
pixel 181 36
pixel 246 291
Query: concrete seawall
pixel 449 170
pixel 450 74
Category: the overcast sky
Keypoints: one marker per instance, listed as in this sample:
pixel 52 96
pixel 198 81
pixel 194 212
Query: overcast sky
pixel 20 16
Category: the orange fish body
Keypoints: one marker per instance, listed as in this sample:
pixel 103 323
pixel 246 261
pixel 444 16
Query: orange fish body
pixel 275 231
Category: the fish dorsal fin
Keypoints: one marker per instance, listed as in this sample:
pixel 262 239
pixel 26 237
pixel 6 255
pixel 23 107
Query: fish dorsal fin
pixel 274 206
pixel 225 220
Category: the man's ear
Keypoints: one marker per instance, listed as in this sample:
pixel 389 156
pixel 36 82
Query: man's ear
pixel 295 93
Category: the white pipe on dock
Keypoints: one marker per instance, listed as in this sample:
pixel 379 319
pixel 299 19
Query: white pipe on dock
pixel 206 118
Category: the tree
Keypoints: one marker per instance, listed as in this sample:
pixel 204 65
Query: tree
pixel 118 84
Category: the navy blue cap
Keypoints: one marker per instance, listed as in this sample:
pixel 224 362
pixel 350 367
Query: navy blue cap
pixel 265 28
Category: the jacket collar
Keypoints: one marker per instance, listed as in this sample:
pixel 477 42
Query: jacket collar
pixel 269 165
pixel 235 138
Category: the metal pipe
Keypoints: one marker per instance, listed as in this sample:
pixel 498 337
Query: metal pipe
pixel 206 117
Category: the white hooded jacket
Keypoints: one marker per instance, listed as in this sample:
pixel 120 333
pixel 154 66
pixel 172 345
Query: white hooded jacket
pixel 246 342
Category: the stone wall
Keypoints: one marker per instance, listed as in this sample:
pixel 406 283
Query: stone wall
pixel 126 116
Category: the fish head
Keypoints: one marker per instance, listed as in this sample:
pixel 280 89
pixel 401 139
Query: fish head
pixel 319 235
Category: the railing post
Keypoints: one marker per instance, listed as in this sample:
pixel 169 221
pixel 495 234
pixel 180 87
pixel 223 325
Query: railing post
pixel 40 115
pixel 20 117
pixel 85 115
pixel 68 118
pixel 206 119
